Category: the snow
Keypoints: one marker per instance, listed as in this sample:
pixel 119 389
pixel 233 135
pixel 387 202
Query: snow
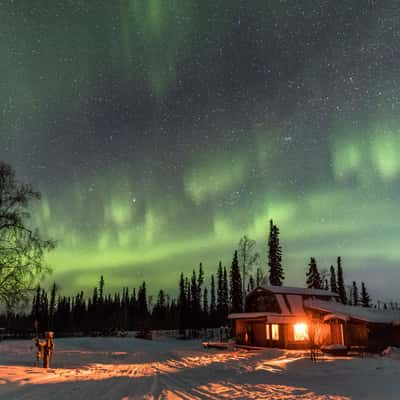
pixel 361 313
pixel 392 352
pixel 166 368
pixel 334 347
pixel 246 315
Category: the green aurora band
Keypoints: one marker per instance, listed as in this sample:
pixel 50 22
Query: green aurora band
pixel 160 132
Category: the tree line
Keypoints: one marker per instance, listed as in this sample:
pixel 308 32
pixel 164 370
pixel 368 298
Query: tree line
pixel 200 303
pixel 197 306
pixel 317 280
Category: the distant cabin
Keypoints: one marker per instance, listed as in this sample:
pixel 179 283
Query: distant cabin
pixel 297 318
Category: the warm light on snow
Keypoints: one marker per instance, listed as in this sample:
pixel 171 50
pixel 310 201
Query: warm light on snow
pixel 300 332
pixel 128 369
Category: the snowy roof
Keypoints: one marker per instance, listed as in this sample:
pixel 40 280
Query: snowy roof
pixel 296 303
pixel 246 315
pixel 298 290
pixel 282 304
pixel 352 312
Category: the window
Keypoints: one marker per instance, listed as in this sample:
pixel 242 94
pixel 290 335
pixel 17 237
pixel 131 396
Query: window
pixel 275 331
pixel 272 331
pixel 300 332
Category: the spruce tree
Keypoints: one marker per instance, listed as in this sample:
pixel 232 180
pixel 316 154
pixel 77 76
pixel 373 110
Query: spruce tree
pixel 159 313
pixel 193 299
pixel 182 305
pixel 205 310
pixel 44 311
pixel 95 297
pixel 36 307
pixel 365 299
pixel 142 302
pixel 213 306
pixel 200 281
pixel 101 289
pixel 225 291
pixel 276 275
pixel 189 314
pixel 334 288
pixel 52 306
pixel 355 298
pixel 220 294
pixel 340 283
pixel 236 286
pixel 133 310
pixel 313 277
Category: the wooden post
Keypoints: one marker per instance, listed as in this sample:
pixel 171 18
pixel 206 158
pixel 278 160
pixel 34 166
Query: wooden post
pixel 48 349
pixel 45 349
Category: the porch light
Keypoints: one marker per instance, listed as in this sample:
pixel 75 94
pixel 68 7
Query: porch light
pixel 300 332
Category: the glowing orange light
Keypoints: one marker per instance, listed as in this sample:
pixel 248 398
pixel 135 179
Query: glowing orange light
pixel 300 332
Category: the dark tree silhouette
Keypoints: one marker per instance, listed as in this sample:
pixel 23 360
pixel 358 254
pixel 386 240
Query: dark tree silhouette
pixel 236 286
pixel 213 304
pixel 220 294
pixel 182 305
pixel 225 292
pixel 40 310
pixel 143 311
pixel 125 311
pixel 333 282
pixel 365 299
pixel 205 319
pixel 21 248
pixel 101 289
pixel 276 275
pixel 313 277
pixel 340 283
pixel 354 292
pixel 52 305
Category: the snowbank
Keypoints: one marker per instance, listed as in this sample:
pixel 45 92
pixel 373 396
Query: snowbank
pixel 392 352
pixel 128 368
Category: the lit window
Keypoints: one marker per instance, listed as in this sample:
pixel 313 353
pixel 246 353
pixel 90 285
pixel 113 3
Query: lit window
pixel 300 332
pixel 275 331
pixel 267 332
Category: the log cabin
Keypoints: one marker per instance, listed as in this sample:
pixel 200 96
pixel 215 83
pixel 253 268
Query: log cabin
pixel 300 318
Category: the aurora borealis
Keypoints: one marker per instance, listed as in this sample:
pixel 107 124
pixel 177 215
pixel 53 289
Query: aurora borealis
pixel 160 132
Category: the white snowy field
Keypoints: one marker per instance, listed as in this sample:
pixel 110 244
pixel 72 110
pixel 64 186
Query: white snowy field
pixel 128 368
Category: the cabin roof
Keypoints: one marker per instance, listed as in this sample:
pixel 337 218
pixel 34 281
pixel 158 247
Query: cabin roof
pixel 272 318
pixel 297 290
pixel 342 311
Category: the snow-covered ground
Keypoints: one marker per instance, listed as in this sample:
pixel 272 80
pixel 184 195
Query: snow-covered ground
pixel 128 368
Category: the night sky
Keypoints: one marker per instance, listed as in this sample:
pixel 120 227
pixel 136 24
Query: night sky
pixel 161 131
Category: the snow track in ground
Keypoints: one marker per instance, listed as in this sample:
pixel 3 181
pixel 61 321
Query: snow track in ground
pixel 128 368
